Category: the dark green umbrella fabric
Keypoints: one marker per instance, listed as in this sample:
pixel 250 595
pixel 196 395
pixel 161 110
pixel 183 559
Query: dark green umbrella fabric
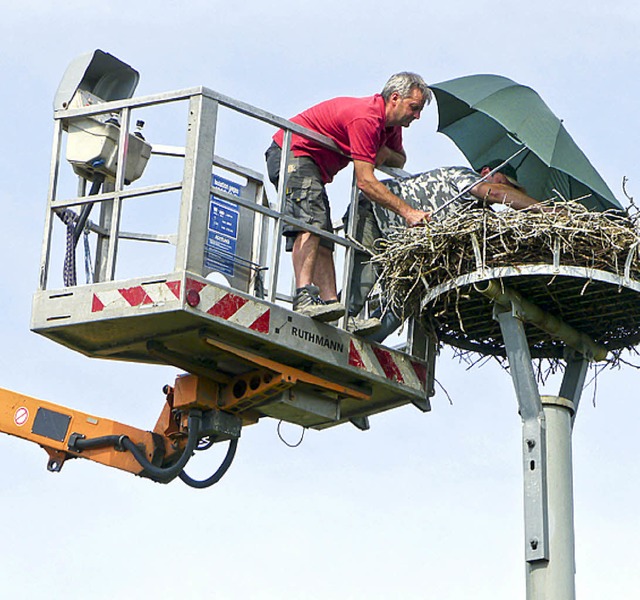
pixel 489 117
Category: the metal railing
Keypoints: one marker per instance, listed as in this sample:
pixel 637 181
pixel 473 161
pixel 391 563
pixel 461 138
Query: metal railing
pixel 195 190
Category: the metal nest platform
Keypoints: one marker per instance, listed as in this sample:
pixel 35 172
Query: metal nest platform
pixel 602 306
pixel 570 275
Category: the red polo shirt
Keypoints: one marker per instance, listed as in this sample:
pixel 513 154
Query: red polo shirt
pixel 356 125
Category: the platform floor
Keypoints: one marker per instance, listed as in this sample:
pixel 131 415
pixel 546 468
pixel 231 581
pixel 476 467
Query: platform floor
pixel 204 328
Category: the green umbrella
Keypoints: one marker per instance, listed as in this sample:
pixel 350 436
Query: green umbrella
pixel 490 117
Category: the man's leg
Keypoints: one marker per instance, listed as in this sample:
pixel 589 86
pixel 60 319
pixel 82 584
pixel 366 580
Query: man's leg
pixel 313 264
pixel 364 274
pixel 304 256
pixel 324 275
pixel 313 267
pixel 312 260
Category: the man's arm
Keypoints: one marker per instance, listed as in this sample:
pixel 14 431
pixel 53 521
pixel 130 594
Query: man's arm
pixel 499 193
pixel 379 193
pixel 390 158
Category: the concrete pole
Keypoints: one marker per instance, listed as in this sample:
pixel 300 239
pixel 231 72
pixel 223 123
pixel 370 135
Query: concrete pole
pixel 554 579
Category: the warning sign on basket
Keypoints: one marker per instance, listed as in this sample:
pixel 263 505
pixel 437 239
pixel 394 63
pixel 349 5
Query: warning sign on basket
pixel 222 235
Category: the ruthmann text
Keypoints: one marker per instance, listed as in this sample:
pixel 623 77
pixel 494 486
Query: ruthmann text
pixel 316 338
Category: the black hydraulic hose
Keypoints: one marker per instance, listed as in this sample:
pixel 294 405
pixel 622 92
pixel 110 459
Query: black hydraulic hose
pixel 159 474
pixel 166 474
pixel 217 476
pixel 79 444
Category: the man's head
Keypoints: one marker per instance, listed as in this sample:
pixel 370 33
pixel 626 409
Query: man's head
pixel 506 174
pixel 405 95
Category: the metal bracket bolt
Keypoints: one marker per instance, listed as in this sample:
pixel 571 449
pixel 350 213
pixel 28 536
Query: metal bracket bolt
pixel 533 543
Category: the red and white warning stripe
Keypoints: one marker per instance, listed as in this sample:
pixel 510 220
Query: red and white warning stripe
pixel 152 294
pixel 220 303
pixel 210 299
pixel 386 363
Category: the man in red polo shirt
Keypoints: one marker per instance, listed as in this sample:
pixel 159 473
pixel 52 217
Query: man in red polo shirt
pixel 368 131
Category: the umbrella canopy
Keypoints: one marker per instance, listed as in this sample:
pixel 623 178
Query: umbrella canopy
pixel 490 117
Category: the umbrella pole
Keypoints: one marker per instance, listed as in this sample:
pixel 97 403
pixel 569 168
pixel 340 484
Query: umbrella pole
pixel 483 178
pixel 547 423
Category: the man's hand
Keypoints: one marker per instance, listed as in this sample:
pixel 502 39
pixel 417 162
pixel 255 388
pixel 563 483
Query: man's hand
pixel 417 218
pixel 379 193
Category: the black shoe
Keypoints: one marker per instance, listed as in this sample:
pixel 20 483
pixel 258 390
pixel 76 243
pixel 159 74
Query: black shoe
pixel 363 326
pixel 307 302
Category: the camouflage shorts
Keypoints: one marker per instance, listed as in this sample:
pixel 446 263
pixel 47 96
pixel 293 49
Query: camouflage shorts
pixel 306 197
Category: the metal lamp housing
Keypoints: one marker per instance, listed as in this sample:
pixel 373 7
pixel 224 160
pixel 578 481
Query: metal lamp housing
pixel 92 144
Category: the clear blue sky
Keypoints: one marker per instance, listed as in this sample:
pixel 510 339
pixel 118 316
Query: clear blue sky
pixel 420 506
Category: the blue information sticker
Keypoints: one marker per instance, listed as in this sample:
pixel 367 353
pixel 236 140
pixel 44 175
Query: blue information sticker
pixel 222 236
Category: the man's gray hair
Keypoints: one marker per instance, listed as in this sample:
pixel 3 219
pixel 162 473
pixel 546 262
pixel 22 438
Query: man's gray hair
pixel 404 83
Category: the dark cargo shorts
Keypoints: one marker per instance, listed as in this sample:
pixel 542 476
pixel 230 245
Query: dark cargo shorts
pixel 306 197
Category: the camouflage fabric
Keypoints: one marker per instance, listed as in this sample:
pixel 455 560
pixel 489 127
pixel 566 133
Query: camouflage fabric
pixel 427 191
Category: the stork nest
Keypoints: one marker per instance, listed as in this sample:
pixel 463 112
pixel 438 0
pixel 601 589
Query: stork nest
pixel 424 262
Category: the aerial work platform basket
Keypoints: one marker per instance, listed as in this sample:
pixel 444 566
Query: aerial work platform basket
pixel 183 259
